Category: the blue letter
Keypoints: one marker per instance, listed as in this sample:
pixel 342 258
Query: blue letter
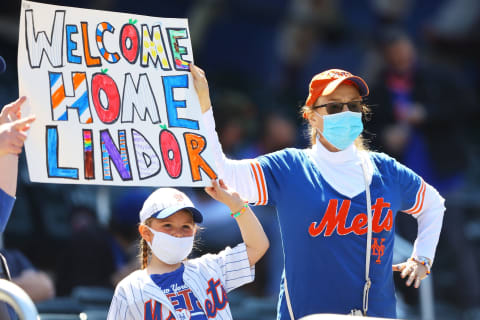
pixel 71 45
pixel 54 171
pixel 169 83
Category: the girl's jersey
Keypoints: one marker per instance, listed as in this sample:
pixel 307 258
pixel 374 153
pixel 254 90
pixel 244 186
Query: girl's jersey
pixel 324 232
pixel 208 278
pixel 180 295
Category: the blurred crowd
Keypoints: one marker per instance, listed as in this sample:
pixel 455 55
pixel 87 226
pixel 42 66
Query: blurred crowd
pixel 420 59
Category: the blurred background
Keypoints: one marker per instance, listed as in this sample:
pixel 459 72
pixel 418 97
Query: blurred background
pixel 421 61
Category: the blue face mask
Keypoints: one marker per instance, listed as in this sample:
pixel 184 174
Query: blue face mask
pixel 341 129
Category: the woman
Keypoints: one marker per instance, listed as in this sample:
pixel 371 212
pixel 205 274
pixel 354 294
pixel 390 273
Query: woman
pixel 322 194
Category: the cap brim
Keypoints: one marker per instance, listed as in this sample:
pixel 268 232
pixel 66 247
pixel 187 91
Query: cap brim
pixel 361 85
pixel 167 212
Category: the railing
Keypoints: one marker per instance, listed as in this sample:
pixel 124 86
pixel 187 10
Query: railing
pixel 18 300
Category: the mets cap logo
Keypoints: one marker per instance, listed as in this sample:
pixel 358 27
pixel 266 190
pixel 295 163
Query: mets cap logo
pixel 179 197
pixel 337 73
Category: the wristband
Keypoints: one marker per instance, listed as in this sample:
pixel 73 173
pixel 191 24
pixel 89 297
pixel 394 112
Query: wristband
pixel 236 214
pixel 424 261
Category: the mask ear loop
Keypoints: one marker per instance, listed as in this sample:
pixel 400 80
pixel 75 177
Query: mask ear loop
pixel 319 133
pixel 150 244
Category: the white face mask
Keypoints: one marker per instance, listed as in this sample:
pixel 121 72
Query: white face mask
pixel 170 249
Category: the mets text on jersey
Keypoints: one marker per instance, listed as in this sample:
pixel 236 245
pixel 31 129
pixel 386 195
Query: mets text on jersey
pixel 336 219
pixel 218 301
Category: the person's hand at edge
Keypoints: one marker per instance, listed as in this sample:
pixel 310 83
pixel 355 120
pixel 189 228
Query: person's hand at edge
pixel 13 135
pixel 13 128
pixel 11 111
pixel 413 270
pixel 201 87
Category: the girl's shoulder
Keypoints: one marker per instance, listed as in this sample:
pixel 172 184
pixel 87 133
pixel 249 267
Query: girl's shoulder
pixel 226 255
pixel 137 278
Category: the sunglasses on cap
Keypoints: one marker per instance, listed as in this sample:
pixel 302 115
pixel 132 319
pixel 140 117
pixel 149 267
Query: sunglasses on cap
pixel 336 107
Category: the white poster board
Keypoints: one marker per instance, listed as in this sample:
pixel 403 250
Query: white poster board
pixel 113 96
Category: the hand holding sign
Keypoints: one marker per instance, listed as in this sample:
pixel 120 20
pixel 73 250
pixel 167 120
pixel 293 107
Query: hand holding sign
pixel 201 86
pixel 12 128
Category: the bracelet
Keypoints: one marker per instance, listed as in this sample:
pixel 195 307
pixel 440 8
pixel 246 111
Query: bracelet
pixel 236 214
pixel 423 261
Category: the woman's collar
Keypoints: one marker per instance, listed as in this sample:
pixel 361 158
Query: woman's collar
pixel 342 156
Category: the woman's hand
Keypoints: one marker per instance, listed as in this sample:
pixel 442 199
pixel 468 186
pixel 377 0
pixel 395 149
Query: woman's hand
pixel 415 271
pixel 201 86
pixel 220 192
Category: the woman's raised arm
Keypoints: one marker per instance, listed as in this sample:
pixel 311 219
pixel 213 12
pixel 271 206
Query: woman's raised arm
pixel 238 174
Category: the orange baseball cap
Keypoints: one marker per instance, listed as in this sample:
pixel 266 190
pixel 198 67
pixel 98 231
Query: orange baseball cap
pixel 326 82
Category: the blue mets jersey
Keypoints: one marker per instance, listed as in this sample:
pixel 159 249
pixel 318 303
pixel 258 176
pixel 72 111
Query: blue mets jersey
pixel 180 295
pixel 324 232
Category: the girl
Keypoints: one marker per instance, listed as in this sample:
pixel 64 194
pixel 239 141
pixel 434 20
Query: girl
pixel 171 287
pixel 336 204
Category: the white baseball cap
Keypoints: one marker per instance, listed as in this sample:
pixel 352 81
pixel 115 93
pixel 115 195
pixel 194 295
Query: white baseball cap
pixel 166 201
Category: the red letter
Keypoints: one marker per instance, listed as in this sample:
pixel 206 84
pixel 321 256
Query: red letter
pixel 359 221
pixel 129 42
pixel 172 158
pixel 332 220
pixel 103 82
pixel 377 214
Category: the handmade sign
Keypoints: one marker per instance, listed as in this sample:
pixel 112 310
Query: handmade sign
pixel 113 96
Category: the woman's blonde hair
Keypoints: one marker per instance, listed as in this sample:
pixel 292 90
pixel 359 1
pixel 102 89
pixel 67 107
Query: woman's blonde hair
pixel 361 142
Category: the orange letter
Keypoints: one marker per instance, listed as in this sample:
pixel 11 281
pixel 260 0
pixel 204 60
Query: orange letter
pixel 195 144
pixel 91 61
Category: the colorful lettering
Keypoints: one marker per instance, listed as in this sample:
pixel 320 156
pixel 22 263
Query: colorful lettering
pixel 38 43
pixel 129 42
pixel 153 48
pixel 102 83
pixel 195 144
pixel 171 155
pixel 53 169
pixel 174 34
pixel 140 98
pixel 107 55
pixel 90 61
pixel 119 156
pixel 72 45
pixel 88 162
pixel 170 83
pixel 148 162
pixel 60 102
